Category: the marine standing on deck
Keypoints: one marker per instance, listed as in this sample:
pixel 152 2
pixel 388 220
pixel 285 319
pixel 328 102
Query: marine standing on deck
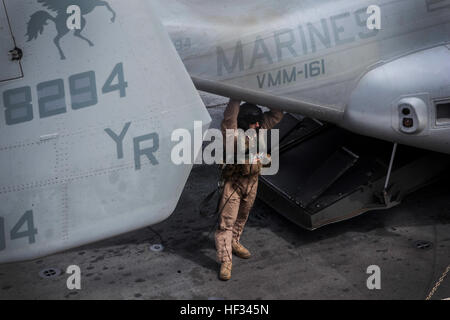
pixel 240 182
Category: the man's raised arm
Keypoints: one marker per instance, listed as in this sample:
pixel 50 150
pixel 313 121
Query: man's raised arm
pixel 230 116
pixel 271 118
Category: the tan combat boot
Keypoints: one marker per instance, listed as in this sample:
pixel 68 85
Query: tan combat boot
pixel 240 250
pixel 225 271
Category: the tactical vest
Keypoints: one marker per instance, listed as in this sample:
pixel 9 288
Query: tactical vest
pixel 234 171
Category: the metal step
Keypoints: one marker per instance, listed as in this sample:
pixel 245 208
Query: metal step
pixel 325 175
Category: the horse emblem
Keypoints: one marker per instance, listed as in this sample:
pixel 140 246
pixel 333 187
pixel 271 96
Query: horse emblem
pixel 40 19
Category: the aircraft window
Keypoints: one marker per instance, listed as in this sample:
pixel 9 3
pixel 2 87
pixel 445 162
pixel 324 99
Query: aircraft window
pixel 443 113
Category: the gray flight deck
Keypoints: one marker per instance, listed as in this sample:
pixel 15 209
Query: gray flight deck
pixel 288 262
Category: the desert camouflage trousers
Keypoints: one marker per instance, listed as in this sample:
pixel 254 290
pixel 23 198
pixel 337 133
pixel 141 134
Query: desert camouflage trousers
pixel 236 202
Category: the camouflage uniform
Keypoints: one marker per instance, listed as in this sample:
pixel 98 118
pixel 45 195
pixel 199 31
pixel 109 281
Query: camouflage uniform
pixel 240 187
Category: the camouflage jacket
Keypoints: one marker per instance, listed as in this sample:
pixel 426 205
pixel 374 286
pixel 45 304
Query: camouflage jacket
pixel 229 122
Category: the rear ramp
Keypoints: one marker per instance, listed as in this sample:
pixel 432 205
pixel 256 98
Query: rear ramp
pixel 328 174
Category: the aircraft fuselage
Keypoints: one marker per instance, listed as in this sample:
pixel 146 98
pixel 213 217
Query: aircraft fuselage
pixel 322 52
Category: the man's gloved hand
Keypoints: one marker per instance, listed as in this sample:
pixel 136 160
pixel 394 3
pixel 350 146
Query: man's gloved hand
pixel 266 161
pixel 263 158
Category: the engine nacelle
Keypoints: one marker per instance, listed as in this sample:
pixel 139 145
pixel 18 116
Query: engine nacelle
pixel 406 100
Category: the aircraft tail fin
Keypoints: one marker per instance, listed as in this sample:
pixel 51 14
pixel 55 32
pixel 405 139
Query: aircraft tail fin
pixel 96 135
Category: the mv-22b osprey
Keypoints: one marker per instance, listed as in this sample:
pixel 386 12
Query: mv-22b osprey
pixel 88 105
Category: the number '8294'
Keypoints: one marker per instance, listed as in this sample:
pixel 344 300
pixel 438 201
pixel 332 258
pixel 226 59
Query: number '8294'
pixel 52 97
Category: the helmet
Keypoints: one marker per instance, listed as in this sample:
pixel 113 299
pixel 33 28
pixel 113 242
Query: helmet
pixel 248 114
